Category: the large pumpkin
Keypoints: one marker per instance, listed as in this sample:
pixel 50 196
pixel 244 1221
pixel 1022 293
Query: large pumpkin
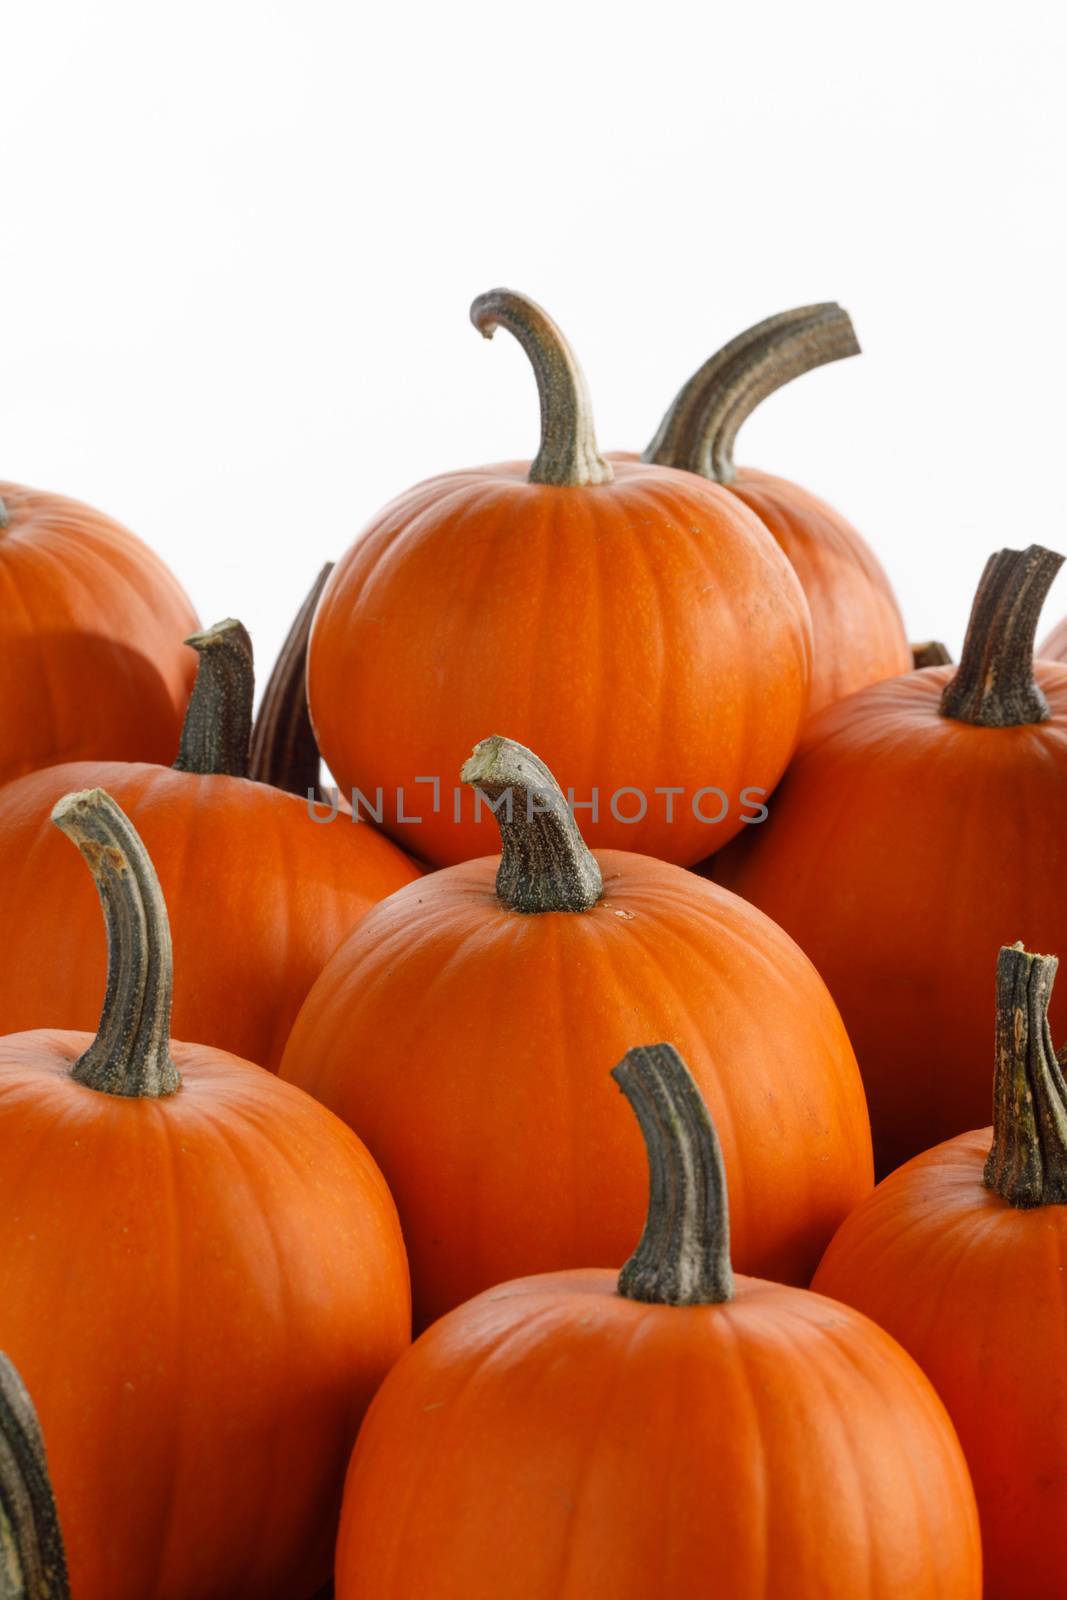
pixel 260 894
pixel 92 663
pixel 202 1278
pixel 960 1255
pixel 922 817
pixel 634 624
pixel 463 1028
pixel 672 1431
pixel 858 633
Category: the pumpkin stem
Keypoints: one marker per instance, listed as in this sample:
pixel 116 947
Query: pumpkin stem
pixel 285 752
pixel 218 721
pixel 683 1258
pixel 1027 1163
pixel 568 455
pixel 33 1565
pixel 702 423
pixel 545 864
pixel 131 1052
pixel 994 686
pixel 5 515
pixel 931 653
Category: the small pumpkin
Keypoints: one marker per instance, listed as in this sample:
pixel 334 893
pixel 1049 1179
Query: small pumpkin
pixel 927 812
pixel 92 664
pixel 857 628
pixel 960 1256
pixel 633 623
pixel 462 1028
pixel 672 1430
pixel 259 893
pixel 202 1278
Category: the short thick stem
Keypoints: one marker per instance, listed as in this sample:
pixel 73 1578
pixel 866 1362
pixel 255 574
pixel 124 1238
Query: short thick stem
pixel 218 721
pixel 1027 1164
pixel 683 1258
pixel 545 864
pixel 568 455
pixel 33 1564
pixel 700 428
pixel 995 686
pixel 285 752
pixel 5 516
pixel 931 653
pixel 131 1052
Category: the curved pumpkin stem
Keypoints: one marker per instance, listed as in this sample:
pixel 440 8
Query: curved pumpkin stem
pixel 568 455
pixel 1027 1164
pixel 683 1258
pixel 33 1564
pixel 131 1052
pixel 931 653
pixel 284 751
pixel 218 721
pixel 701 426
pixel 995 687
pixel 5 515
pixel 545 864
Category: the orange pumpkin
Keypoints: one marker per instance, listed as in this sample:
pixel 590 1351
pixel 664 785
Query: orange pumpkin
pixel 960 1255
pixel 929 808
pixel 858 632
pixel 634 624
pixel 202 1279
pixel 259 894
pixel 91 627
pixel 463 1026
pixel 670 1431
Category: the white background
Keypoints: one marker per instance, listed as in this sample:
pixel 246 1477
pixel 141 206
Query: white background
pixel 239 243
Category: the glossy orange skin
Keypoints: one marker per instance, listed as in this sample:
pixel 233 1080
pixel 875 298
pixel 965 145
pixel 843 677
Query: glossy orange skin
pixel 857 630
pixel 553 1441
pixel 974 1290
pixel 637 634
pixel 469 1045
pixel 258 895
pixel 92 662
pixel 901 852
pixel 203 1293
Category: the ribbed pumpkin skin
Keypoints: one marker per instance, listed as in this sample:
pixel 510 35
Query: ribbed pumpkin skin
pixel 974 1289
pixel 554 1441
pixel 204 1292
pixel 901 851
pixel 468 1045
pixel 259 897
pixel 641 633
pixel 857 628
pixel 92 663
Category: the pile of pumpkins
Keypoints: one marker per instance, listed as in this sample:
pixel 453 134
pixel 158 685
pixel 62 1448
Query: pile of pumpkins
pixel 640 787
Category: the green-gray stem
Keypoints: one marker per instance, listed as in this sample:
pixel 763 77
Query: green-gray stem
pixel 545 864
pixel 131 1052
pixel 5 515
pixel 218 721
pixel 1027 1163
pixel 701 426
pixel 33 1565
pixel 285 752
pixel 568 455
pixel 683 1258
pixel 931 653
pixel 995 686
